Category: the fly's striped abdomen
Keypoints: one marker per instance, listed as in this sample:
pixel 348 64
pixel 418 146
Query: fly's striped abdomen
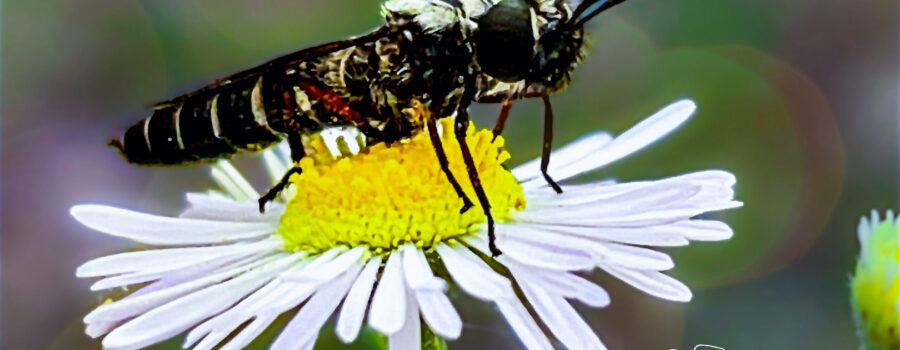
pixel 209 126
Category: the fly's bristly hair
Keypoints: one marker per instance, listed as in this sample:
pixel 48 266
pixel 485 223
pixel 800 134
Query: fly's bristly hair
pixel 425 50
pixel 444 53
pixel 420 53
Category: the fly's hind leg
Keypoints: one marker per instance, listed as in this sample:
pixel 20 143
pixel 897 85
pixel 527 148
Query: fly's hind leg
pixel 548 143
pixel 442 157
pixel 276 190
pixel 461 126
pixel 297 153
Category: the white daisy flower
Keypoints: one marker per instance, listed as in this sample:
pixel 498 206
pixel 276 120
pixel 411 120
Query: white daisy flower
pixel 363 237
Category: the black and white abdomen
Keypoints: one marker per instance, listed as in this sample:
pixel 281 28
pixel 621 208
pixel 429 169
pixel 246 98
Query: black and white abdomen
pixel 208 126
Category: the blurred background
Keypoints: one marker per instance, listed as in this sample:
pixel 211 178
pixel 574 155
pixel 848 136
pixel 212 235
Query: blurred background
pixel 798 98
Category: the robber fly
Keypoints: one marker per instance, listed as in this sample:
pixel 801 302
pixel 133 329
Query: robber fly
pixel 445 53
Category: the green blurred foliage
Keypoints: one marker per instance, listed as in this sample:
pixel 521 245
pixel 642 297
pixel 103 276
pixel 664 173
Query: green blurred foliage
pixel 796 98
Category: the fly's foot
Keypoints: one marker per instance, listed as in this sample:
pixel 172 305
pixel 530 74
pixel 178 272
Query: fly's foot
pixel 276 190
pixel 467 204
pixel 552 183
pixel 492 245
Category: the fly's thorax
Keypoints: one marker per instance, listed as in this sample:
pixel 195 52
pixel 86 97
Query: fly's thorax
pixel 559 53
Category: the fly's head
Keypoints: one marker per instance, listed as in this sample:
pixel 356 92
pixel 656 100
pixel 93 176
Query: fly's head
pixel 536 41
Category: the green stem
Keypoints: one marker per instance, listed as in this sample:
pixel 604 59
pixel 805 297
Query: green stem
pixel 431 341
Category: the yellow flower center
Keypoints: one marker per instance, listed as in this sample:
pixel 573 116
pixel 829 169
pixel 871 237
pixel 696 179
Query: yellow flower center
pixel 875 288
pixel 389 195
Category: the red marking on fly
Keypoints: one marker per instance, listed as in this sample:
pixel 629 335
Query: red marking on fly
pixel 332 101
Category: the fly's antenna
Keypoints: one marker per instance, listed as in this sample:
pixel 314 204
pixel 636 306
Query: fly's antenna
pixel 587 9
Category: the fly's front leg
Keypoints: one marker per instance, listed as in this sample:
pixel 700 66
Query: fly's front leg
pixel 462 124
pixel 445 165
pixel 548 143
pixel 297 153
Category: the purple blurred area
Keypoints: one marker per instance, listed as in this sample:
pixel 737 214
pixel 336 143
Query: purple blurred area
pixel 798 98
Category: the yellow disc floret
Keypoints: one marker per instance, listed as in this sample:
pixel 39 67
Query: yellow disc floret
pixel 875 287
pixel 393 194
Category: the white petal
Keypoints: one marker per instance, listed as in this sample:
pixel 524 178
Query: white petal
pixel 550 241
pixel 562 319
pixel 296 292
pixel 581 193
pixel 97 329
pixel 660 235
pixel 652 282
pixel 192 273
pixel 410 336
pixel 639 136
pixel 388 311
pixel 292 295
pixel 540 195
pixel 159 230
pixel 532 337
pixel 586 193
pixel 353 310
pixel 588 292
pixel 283 151
pixel 217 207
pixel 166 259
pixel 317 260
pixel 326 271
pixel 249 333
pixel 655 217
pixel 863 231
pixel 217 328
pixel 172 318
pixel 310 345
pixel 713 199
pixel 563 284
pixel 637 258
pixel 439 313
pixel 568 154
pixel 210 341
pixel 546 254
pixel 639 200
pixel 416 272
pixel 436 309
pixel 720 177
pixel 875 218
pixel 304 327
pixel 476 279
pixel 232 181
pixel 156 274
pixel 134 305
pixel 275 165
pixel 704 230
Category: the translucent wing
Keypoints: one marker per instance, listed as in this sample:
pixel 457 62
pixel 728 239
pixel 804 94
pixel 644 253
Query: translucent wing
pixel 280 63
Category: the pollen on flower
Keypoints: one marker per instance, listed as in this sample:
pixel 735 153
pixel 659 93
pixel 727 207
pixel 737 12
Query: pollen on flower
pixel 394 194
pixel 875 287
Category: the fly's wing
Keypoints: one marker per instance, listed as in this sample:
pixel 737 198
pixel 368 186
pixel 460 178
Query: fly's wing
pixel 280 63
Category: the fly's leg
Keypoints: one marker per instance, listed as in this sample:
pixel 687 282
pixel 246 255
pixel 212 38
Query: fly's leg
pixel 276 190
pixel 462 124
pixel 548 143
pixel 297 153
pixel 501 120
pixel 445 165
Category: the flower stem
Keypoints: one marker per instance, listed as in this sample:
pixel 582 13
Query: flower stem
pixel 431 341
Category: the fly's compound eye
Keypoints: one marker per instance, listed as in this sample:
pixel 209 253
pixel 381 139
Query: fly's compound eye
pixel 505 41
